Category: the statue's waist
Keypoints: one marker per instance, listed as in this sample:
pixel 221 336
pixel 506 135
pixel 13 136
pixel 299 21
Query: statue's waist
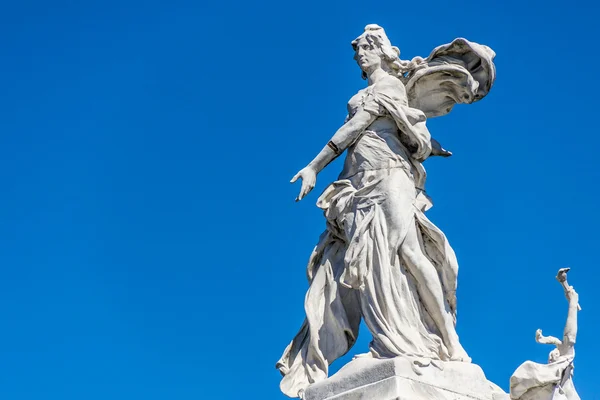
pixel 374 150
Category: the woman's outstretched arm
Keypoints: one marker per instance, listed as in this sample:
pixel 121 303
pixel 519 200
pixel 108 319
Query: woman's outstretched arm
pixel 341 140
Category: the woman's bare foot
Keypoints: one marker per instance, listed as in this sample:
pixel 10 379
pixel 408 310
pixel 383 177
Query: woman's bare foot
pixel 458 353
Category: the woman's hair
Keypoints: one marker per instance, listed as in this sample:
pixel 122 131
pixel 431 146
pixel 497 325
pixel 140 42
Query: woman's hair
pixel 390 55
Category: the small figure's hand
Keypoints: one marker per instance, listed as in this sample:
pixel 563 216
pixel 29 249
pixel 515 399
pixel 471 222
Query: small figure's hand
pixel 538 335
pixel 309 179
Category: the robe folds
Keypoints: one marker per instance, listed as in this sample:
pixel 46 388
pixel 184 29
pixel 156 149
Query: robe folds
pixel 356 271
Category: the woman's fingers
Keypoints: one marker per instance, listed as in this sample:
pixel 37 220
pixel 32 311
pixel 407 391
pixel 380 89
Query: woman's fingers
pixel 308 183
pixel 308 188
pixel 303 192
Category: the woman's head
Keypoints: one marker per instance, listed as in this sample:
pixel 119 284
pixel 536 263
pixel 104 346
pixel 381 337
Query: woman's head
pixel 373 50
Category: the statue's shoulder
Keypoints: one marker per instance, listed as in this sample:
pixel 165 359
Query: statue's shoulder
pixel 390 86
pixel 390 80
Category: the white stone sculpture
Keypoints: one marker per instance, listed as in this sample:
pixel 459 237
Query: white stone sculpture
pixel 380 258
pixel 552 381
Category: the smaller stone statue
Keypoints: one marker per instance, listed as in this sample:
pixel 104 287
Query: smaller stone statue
pixel 552 381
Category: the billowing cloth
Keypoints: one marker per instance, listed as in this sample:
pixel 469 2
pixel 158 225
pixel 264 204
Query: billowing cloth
pixel 534 381
pixel 459 72
pixel 357 269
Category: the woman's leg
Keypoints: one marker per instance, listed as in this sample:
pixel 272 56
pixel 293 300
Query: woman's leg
pixel 431 291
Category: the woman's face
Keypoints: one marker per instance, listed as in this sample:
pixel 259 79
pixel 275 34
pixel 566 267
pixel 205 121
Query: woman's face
pixel 366 56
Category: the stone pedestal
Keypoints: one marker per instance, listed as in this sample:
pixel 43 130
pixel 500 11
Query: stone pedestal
pixel 400 379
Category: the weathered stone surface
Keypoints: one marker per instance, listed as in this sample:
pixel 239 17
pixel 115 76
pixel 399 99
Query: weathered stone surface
pixel 402 379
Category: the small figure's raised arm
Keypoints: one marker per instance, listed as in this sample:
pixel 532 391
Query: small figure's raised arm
pixel 341 140
pixel 540 338
pixel 570 332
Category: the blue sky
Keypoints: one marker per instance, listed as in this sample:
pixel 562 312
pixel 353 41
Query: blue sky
pixel 150 245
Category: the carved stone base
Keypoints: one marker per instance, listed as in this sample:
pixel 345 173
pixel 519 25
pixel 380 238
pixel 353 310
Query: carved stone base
pixel 400 379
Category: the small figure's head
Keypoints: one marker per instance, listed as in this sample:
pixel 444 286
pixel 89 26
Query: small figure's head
pixel 553 356
pixel 373 50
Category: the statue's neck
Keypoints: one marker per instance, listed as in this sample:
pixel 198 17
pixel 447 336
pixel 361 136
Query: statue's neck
pixel 376 75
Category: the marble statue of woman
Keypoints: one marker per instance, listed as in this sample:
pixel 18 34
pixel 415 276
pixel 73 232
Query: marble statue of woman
pixel 552 381
pixel 380 258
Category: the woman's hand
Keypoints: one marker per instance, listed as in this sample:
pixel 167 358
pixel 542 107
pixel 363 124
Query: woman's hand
pixel 309 178
pixel 438 150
